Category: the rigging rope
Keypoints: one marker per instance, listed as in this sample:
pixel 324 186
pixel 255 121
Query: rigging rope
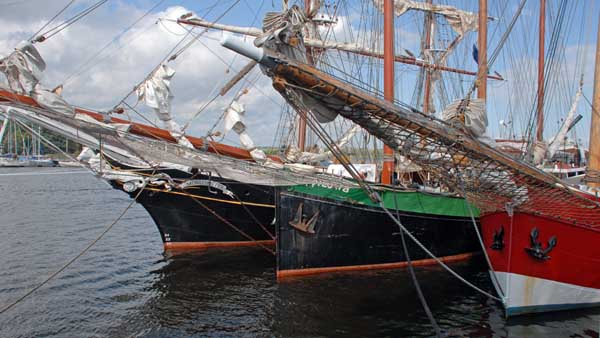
pixel 95 55
pixel 57 29
pixel 32 38
pixel 170 57
pixel 343 159
pixel 413 276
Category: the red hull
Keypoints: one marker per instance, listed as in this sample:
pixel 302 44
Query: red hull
pixel 573 263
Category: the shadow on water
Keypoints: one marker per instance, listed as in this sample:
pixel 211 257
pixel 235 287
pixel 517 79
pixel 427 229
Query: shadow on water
pixel 223 293
pixel 126 286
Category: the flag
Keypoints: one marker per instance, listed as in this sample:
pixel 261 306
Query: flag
pixel 475 54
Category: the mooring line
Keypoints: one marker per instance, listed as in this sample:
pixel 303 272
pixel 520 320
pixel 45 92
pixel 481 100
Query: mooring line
pixel 413 275
pixel 87 248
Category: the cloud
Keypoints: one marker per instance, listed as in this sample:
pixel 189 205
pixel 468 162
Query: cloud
pixel 99 78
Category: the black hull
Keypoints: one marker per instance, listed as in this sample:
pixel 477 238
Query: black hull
pixel 199 217
pixel 357 237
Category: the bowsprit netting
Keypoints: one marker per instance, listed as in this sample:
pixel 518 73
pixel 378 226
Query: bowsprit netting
pixel 493 181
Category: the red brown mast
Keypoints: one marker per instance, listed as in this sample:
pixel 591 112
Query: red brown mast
pixel 388 81
pixel 482 51
pixel 428 71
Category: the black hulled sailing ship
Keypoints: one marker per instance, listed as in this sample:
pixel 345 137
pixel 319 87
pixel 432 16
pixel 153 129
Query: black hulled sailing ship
pixel 202 210
pixel 324 228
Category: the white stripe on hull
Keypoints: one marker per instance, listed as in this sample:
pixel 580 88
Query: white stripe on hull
pixel 525 294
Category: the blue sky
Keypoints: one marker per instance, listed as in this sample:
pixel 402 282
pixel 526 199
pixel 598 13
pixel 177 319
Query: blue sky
pixel 203 67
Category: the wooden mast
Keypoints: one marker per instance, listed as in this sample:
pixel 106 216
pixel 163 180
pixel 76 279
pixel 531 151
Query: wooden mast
pixel 482 51
pixel 539 136
pixel 311 61
pixel 388 81
pixel 427 47
pixel 593 169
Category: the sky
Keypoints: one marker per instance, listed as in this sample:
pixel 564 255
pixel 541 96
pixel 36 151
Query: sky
pixel 99 60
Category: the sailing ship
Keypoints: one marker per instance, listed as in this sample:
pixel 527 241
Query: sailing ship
pixel 195 215
pixel 539 234
pixel 324 229
pixel 176 208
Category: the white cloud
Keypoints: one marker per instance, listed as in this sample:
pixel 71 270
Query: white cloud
pixel 114 72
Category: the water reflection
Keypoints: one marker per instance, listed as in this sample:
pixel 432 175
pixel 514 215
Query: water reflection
pixel 125 286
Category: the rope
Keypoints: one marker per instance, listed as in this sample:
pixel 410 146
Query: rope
pixel 52 19
pixel 430 254
pixel 251 214
pixel 172 56
pixel 69 22
pixel 86 249
pixel 81 68
pixel 480 238
pixel 411 269
pixel 241 232
pixel 344 161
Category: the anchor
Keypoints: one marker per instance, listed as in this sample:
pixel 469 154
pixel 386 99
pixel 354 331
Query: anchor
pixel 498 240
pixel 306 226
pixel 536 250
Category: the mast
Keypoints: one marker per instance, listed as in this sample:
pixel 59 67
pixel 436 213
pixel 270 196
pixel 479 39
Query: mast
pixel 310 60
pixel 593 169
pixel 388 81
pixel 482 51
pixel 539 136
pixel 426 48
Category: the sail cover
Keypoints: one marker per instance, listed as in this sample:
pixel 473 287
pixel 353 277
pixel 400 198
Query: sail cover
pixel 460 21
pixel 156 94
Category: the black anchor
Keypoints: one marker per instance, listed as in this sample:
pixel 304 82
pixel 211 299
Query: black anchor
pixel 498 240
pixel 536 250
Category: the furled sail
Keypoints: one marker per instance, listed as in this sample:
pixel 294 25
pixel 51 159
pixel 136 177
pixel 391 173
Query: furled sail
pixel 23 69
pixel 293 154
pixel 460 21
pixel 557 141
pixel 233 120
pixel 469 112
pixel 283 33
pixel 156 94
pixel 493 181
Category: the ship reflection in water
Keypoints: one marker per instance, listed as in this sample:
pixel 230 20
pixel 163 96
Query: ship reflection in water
pixel 126 285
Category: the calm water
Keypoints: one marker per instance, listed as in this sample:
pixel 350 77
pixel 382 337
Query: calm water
pixel 126 286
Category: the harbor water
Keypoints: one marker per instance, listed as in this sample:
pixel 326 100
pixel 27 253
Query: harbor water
pixel 126 286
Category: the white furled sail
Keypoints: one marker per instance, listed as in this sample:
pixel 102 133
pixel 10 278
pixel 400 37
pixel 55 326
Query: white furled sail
pixel 293 154
pixel 470 113
pixel 156 94
pixel 557 141
pixel 233 120
pixel 460 21
pixel 23 69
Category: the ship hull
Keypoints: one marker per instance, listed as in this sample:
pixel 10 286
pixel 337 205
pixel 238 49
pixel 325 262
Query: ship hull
pixel 564 277
pixel 202 217
pixel 351 236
